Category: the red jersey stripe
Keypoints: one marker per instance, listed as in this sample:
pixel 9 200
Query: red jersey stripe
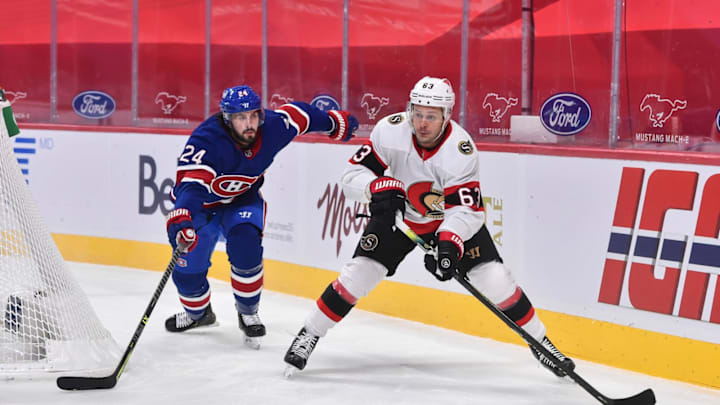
pixel 205 176
pixel 299 118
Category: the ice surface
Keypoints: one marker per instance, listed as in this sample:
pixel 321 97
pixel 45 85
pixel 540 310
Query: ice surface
pixel 367 359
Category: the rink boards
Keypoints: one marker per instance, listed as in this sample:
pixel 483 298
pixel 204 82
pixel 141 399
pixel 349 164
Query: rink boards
pixel 620 256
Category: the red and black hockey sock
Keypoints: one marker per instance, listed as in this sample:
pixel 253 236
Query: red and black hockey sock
pixel 518 308
pixel 335 302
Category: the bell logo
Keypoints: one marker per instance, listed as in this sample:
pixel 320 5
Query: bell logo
pixel 659 270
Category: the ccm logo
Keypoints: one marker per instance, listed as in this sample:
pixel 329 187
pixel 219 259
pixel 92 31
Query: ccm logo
pixel 231 185
pixel 668 271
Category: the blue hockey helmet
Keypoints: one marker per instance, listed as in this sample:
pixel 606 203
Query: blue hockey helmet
pixel 239 99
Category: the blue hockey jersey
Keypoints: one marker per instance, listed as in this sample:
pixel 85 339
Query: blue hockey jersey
pixel 213 170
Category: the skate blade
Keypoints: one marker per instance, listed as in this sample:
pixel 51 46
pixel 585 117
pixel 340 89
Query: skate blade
pixel 203 327
pixel 253 342
pixel 289 371
pixel 197 329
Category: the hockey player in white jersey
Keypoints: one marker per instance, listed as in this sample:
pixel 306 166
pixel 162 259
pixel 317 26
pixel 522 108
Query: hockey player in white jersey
pixel 422 163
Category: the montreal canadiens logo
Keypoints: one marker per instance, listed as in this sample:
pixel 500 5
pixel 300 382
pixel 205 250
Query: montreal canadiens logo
pixel 231 185
pixel 93 104
pixel 325 102
pixel 565 114
pixel 717 120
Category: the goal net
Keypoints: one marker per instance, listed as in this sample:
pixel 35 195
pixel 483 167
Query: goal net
pixel 47 323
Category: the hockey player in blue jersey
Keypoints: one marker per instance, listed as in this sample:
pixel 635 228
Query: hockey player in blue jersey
pixel 217 192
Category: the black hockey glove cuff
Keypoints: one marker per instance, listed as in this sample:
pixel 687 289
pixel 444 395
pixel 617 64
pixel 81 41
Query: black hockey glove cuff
pixel 387 197
pixel 450 250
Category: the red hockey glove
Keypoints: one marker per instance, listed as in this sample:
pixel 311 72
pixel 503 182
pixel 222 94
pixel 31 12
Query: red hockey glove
pixel 387 197
pixel 345 125
pixel 450 250
pixel 180 229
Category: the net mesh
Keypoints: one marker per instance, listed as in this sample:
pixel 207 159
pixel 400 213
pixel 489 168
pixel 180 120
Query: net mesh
pixel 47 321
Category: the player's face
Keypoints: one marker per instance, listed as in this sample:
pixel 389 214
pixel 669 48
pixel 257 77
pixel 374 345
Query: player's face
pixel 428 123
pixel 246 126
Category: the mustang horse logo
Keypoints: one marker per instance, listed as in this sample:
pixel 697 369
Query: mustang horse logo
pixel 661 109
pixel 168 102
pixel 13 96
pixel 373 104
pixel 277 100
pixel 497 105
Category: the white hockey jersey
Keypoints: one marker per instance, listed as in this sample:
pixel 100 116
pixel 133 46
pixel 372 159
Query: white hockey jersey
pixel 442 184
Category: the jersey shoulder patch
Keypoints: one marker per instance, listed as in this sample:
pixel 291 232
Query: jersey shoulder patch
pixel 466 147
pixel 396 118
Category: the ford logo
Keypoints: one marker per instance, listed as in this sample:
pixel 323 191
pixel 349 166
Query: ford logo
pixel 93 104
pixel 717 121
pixel 325 102
pixel 565 114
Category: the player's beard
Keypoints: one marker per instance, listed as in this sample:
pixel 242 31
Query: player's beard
pixel 247 138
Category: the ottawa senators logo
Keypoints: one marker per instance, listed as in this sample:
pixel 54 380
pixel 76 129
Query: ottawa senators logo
pixel 426 201
pixel 465 147
pixel 395 119
pixel 369 242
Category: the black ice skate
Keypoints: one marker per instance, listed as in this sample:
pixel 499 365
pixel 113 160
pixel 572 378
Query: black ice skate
pixel 181 322
pixel 550 364
pixel 299 351
pixel 253 328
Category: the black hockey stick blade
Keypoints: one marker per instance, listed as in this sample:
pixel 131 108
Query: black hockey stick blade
pixel 646 397
pixel 87 383
pixel 94 383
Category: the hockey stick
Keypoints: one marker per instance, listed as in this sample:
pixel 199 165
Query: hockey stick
pixel 93 383
pixel 646 397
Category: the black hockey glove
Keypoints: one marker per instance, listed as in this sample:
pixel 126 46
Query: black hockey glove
pixel 387 197
pixel 450 250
